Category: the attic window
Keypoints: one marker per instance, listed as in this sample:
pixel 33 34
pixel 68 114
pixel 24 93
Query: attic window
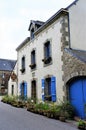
pixel 32 33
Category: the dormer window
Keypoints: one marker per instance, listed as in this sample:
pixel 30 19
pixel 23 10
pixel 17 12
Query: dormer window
pixel 34 25
pixel 32 33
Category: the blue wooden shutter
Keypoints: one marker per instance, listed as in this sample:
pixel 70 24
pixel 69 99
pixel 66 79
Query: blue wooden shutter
pixel 53 89
pixel 25 90
pixel 43 89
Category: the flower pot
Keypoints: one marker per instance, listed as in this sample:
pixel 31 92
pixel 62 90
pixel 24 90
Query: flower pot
pixel 81 127
pixel 62 118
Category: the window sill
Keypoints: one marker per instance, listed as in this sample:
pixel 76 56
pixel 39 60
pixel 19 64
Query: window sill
pixel 47 98
pixel 32 66
pixel 47 61
pixel 22 70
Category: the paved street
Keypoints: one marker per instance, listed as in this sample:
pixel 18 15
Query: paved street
pixel 12 118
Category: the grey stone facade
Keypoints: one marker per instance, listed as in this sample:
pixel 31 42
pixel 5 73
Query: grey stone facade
pixel 72 66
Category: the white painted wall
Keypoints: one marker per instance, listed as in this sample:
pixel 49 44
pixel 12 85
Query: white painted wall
pixel 10 88
pixel 77 19
pixel 55 69
pixel 14 83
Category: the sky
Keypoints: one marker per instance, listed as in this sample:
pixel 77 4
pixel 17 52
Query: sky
pixel 15 16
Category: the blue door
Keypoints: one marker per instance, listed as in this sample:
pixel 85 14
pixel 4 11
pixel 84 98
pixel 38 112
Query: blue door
pixel 77 96
pixel 23 90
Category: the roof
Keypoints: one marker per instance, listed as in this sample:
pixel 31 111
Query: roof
pixel 43 25
pixel 79 54
pixel 51 19
pixel 39 23
pixel 73 3
pixel 23 43
pixel 7 65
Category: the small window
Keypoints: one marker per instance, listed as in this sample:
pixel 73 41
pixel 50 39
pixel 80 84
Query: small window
pixel 33 90
pixel 47 53
pixel 47 49
pixel 48 86
pixel 32 33
pixel 12 89
pixel 33 60
pixel 23 64
pixel 49 89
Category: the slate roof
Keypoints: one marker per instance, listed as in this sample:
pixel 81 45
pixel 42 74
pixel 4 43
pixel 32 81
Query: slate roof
pixel 43 25
pixel 79 54
pixel 37 22
pixel 74 2
pixel 7 65
pixel 51 19
pixel 23 43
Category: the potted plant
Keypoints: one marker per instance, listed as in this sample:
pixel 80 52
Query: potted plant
pixel 81 124
pixel 62 116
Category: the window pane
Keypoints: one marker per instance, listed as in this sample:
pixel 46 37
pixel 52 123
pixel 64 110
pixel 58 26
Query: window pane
pixel 33 57
pixel 47 50
pixel 23 62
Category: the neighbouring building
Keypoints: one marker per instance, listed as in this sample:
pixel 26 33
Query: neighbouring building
pixel 6 67
pixel 51 63
pixel 12 84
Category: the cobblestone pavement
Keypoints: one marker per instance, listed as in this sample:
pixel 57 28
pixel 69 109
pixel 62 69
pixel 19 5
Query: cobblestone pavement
pixel 12 118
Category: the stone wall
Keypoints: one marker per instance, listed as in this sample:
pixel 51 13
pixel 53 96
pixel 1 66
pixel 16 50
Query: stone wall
pixel 72 67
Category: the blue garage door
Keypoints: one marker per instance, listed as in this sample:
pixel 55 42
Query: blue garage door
pixel 77 96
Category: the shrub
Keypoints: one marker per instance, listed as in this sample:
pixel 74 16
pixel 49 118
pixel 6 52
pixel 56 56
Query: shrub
pixel 66 109
pixel 81 124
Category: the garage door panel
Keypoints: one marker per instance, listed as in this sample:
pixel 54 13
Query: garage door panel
pixel 84 90
pixel 84 96
pixel 76 96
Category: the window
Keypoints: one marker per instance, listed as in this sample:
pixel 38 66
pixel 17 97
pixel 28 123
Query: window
pixel 47 49
pixel 33 60
pixel 12 89
pixel 23 64
pixel 32 33
pixel 33 90
pixel 47 53
pixel 49 89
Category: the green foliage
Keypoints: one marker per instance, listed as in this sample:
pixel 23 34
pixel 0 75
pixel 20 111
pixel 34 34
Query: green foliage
pixel 66 109
pixel 42 106
pixel 13 100
pixel 81 124
pixel 8 99
pixel 53 110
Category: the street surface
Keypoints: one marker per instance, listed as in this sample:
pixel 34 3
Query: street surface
pixel 12 118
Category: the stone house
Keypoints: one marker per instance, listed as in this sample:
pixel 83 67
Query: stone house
pixel 51 63
pixel 6 67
